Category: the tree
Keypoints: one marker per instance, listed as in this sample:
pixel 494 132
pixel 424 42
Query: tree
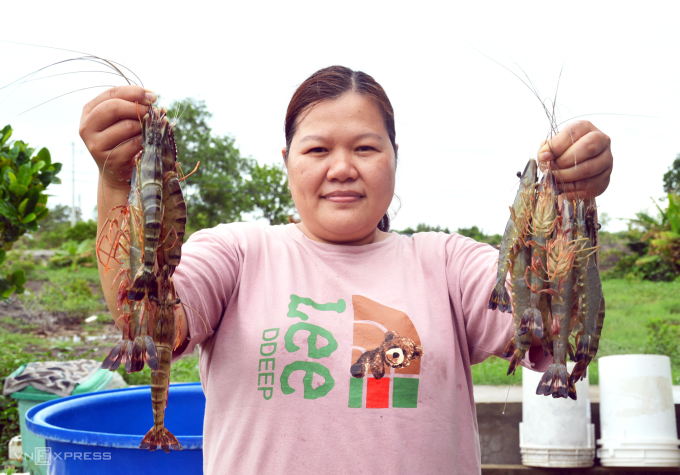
pixel 424 228
pixel 216 189
pixel 23 179
pixel 478 235
pixel 268 192
pixel 671 179
pixel 474 232
pixel 226 185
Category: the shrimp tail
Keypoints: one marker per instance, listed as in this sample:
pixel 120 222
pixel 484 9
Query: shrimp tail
pixel 500 299
pixel 162 438
pixel 532 321
pixel 556 383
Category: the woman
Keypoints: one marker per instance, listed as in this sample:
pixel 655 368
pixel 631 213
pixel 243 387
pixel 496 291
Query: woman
pixel 333 346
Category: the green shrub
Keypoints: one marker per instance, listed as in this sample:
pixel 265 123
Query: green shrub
pixel 75 254
pixel 636 266
pixel 27 267
pixel 81 231
pixel 20 260
pixel 664 338
pixel 24 177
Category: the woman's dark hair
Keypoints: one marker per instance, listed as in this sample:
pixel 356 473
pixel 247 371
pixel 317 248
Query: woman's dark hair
pixel 330 83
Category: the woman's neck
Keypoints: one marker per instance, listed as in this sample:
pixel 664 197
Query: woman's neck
pixel 374 236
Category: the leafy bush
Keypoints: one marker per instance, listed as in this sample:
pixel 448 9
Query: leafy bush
pixel 20 260
pixel 23 179
pixel 83 230
pixel 654 245
pixel 664 338
pixel 74 254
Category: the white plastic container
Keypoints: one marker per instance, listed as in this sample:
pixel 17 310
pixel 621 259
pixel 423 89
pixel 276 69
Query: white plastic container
pixel 14 449
pixel 555 432
pixel 637 413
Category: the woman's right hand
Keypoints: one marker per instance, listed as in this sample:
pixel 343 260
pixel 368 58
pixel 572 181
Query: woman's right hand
pixel 111 128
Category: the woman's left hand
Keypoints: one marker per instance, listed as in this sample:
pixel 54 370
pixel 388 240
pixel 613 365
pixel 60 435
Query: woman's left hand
pixel 582 156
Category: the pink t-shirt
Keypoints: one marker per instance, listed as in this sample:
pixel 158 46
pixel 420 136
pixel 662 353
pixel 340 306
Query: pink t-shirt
pixel 283 319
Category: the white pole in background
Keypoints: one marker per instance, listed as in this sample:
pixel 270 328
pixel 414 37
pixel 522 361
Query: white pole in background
pixel 73 184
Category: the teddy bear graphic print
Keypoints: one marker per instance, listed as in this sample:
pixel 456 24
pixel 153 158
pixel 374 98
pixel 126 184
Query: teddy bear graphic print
pixel 386 355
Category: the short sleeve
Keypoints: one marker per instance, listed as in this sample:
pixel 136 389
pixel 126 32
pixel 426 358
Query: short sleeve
pixel 471 274
pixel 205 280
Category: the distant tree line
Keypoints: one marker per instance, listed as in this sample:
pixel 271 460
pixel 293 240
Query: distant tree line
pixel 474 232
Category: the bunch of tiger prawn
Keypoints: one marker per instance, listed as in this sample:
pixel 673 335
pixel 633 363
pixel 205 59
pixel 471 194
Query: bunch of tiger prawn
pixel 145 237
pixel 550 253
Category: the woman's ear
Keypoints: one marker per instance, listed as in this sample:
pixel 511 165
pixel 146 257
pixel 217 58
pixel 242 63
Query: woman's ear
pixel 283 154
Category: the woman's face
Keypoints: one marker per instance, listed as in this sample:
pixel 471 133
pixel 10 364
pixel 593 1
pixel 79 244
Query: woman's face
pixel 341 170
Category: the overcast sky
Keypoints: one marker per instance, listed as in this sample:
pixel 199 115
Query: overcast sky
pixel 465 125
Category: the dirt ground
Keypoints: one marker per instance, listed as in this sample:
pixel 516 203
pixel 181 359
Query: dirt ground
pixel 61 332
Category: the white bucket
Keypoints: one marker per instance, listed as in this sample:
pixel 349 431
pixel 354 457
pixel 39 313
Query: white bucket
pixel 637 413
pixel 555 432
pixel 14 448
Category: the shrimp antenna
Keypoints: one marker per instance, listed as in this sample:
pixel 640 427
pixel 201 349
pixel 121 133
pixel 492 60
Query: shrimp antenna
pixel 65 94
pixel 528 83
pixel 608 113
pixel 178 113
pixel 550 113
pixel 115 66
pixel 205 325
pixel 62 74
pixel 112 64
pixel 93 59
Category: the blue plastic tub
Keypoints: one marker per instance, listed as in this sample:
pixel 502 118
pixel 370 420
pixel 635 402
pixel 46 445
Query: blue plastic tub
pixel 100 432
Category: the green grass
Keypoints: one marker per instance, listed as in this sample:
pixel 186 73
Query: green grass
pixel 493 372
pixel 65 274
pixel 631 304
pixel 184 370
